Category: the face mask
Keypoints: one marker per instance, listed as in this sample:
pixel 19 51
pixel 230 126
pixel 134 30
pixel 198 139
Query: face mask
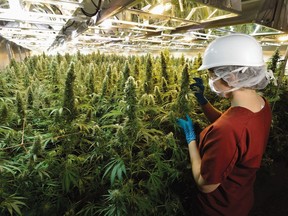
pixel 220 93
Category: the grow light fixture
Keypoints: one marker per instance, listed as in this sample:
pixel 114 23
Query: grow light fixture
pixel 106 24
pixel 15 6
pixel 15 11
pixel 161 8
pixel 187 38
pixel 283 38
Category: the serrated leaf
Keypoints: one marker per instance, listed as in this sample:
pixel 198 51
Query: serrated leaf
pixel 16 208
pixel 113 114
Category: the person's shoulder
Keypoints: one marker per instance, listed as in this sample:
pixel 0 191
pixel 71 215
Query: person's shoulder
pixel 231 121
pixel 222 126
pixel 221 131
pixel 237 115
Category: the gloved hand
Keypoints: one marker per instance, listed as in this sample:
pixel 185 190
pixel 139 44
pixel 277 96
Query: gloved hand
pixel 198 89
pixel 188 128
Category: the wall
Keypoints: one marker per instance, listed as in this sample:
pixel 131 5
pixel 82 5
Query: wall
pixel 9 50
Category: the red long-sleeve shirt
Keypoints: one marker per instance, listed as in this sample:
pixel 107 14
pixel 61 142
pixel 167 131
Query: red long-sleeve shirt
pixel 231 151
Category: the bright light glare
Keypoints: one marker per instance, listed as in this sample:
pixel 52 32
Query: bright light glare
pixel 16 10
pixel 187 38
pixel 283 38
pixel 146 22
pixel 106 23
pixel 159 9
pixel 15 6
pixel 167 6
pixel 146 8
pixel 74 34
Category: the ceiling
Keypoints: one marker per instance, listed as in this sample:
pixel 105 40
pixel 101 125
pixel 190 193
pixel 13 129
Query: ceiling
pixel 138 25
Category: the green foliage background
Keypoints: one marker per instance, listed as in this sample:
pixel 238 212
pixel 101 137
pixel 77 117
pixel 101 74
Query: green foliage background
pixel 96 134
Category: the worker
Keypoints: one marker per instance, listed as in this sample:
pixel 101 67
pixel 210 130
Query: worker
pixel 229 152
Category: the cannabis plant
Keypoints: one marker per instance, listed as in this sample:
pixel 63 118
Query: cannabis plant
pixel 164 73
pixel 126 73
pixel 30 98
pixel 136 68
pixel 91 79
pixel 182 100
pixel 4 114
pixel 148 83
pixel 69 109
pixel 54 74
pixel 130 99
pixel 274 60
pixel 75 141
pixel 20 106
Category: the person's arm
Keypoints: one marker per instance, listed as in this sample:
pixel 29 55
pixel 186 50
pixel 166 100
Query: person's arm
pixel 196 165
pixel 195 158
pixel 198 89
pixel 211 113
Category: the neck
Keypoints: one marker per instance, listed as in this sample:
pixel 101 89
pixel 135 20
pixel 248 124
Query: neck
pixel 247 98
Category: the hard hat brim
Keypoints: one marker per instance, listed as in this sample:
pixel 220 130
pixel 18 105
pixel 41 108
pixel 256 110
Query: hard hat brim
pixel 202 67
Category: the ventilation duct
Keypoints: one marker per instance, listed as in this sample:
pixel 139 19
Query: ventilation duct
pixel 274 14
pixel 93 12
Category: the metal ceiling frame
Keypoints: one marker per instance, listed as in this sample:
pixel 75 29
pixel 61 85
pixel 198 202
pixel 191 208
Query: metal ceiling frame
pixel 71 25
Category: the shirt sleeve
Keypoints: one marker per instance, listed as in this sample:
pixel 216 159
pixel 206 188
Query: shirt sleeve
pixel 211 113
pixel 219 154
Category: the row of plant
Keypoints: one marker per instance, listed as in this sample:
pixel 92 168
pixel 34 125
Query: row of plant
pixel 97 135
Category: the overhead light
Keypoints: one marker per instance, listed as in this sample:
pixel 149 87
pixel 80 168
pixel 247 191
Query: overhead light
pixel 283 38
pixel 146 8
pixel 74 34
pixel 15 6
pixel 145 22
pixel 16 10
pixel 188 37
pixel 106 23
pixel 167 6
pixel 161 8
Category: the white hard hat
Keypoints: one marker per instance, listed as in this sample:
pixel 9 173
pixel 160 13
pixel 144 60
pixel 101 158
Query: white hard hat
pixel 233 49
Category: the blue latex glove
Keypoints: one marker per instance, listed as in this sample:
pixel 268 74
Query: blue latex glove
pixel 188 128
pixel 198 89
